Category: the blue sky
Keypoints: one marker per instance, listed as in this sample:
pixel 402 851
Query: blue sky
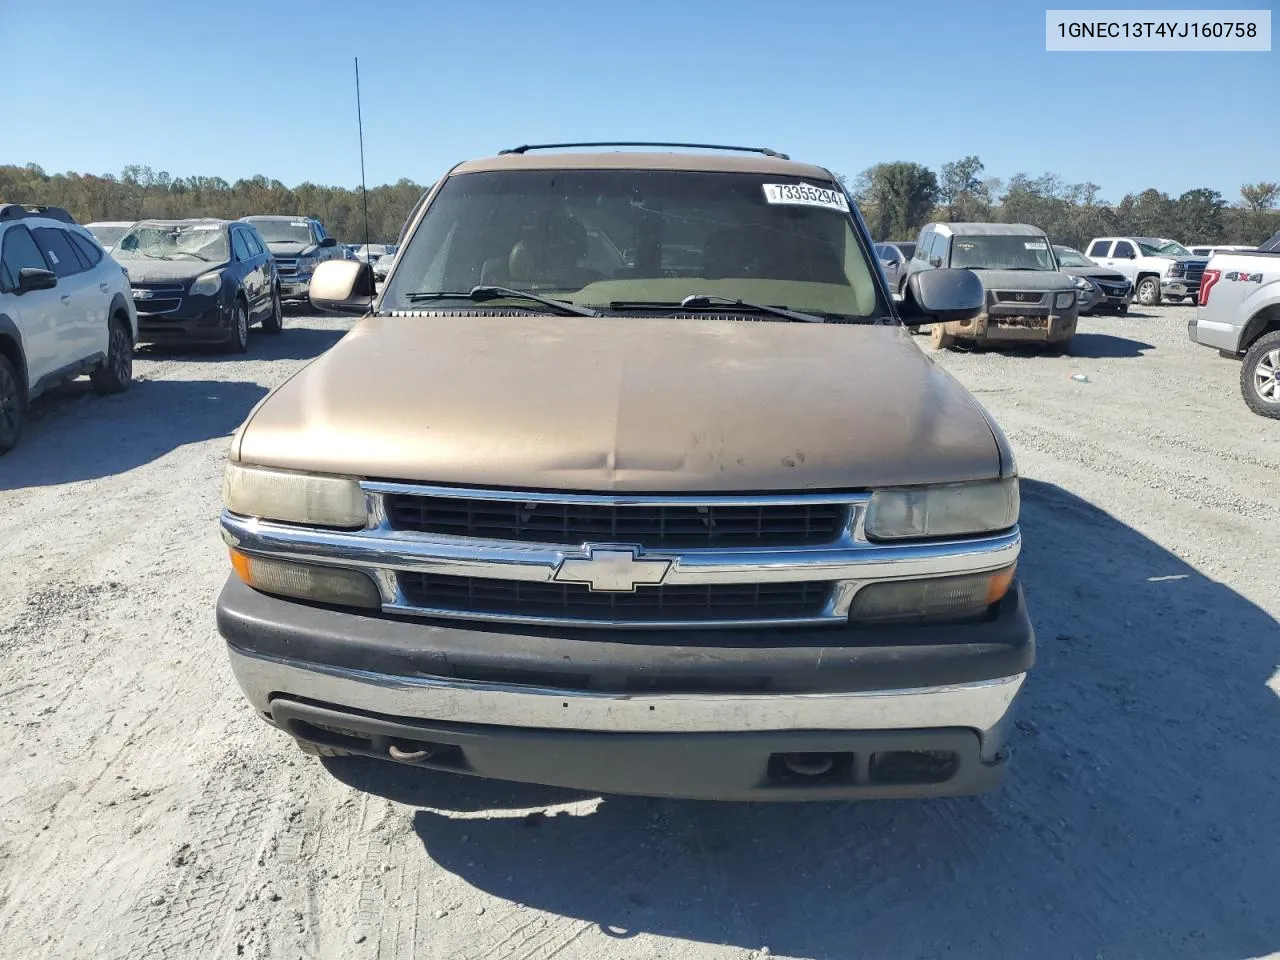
pixel 235 88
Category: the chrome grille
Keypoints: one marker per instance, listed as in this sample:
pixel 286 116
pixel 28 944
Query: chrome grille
pixel 287 266
pixel 665 526
pixel 155 298
pixel 687 603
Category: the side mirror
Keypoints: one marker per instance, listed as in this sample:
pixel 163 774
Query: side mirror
pixel 33 278
pixel 328 242
pixel 935 261
pixel 940 296
pixel 342 286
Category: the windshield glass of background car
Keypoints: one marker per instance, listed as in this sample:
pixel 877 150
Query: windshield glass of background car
pixel 108 235
pixel 595 236
pixel 1002 253
pixel 174 241
pixel 1072 258
pixel 283 231
pixel 1166 249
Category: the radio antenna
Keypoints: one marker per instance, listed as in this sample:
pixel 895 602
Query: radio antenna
pixel 364 191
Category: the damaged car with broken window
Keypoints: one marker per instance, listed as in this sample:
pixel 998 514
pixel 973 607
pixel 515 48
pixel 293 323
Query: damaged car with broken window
pixel 633 480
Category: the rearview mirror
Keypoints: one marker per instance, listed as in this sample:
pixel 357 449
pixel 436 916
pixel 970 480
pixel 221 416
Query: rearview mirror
pixel 940 296
pixel 328 242
pixel 33 278
pixel 342 286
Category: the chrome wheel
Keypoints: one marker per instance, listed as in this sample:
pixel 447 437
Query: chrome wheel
pixel 1266 376
pixel 1149 292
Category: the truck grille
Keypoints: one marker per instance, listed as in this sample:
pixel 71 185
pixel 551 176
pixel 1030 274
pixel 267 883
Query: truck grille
pixel 153 298
pixel 287 266
pixel 656 526
pixel 1194 271
pixel 1019 296
pixel 684 603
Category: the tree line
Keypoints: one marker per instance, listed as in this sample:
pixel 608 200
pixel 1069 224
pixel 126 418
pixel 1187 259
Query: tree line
pixel 897 199
pixel 141 193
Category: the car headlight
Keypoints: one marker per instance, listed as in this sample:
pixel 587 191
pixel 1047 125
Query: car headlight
pixel 307 264
pixel 1082 284
pixel 1176 269
pixel 943 511
pixel 294 497
pixel 931 598
pixel 207 284
pixel 1063 300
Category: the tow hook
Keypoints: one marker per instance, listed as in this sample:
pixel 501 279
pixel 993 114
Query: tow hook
pixel 409 756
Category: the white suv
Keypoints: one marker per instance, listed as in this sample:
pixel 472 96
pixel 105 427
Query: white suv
pixel 65 309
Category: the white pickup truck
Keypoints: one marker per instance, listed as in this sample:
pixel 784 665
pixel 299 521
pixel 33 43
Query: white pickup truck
pixel 1239 315
pixel 1157 267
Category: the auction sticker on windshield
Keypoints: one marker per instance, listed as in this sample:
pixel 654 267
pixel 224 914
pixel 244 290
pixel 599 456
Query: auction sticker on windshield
pixel 805 195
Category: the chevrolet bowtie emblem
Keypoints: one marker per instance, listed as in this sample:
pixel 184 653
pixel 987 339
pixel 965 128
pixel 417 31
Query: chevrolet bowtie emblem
pixel 616 569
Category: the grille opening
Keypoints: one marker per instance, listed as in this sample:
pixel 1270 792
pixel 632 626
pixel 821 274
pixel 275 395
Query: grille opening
pixel 677 603
pixel 689 526
pixel 785 769
pixel 914 766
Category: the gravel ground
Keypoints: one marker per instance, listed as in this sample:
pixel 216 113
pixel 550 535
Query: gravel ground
pixel 146 812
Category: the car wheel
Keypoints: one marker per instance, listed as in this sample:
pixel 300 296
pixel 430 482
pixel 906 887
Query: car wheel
pixel 1149 292
pixel 940 339
pixel 116 371
pixel 238 338
pixel 320 750
pixel 12 405
pixel 274 321
pixel 1260 376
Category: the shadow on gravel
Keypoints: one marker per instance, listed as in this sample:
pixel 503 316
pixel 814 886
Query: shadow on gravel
pixel 1138 818
pixel 1100 345
pixel 294 343
pixel 76 435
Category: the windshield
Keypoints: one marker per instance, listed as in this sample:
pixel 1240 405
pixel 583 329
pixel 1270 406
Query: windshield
pixel 283 231
pixel 1072 258
pixel 108 236
pixel 174 241
pixel 594 237
pixel 1002 253
pixel 1163 248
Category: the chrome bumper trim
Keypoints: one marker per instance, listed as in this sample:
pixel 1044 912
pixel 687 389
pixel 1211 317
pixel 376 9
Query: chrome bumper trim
pixel 981 706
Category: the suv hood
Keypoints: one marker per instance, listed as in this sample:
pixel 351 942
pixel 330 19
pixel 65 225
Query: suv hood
pixel 290 248
pixel 1040 280
pixel 166 271
pixel 624 404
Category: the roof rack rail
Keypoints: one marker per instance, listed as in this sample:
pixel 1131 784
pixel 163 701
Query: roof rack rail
pixel 16 211
pixel 525 148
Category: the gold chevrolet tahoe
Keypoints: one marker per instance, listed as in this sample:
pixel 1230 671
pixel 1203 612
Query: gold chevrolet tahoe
pixel 631 479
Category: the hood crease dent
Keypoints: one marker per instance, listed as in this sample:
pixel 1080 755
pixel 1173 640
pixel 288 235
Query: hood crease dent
pixel 625 405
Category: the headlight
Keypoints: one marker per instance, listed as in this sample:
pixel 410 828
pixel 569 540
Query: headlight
pixel 1176 269
pixel 944 511
pixel 207 284
pixel 1083 284
pixel 306 581
pixel 1064 300
pixel 307 264
pixel 294 497
pixel 931 598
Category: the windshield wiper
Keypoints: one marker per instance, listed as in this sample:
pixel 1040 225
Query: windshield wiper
pixel 485 294
pixel 703 301
pixel 190 253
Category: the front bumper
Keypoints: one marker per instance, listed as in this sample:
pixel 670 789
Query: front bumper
pixel 994 328
pixel 295 288
pixel 196 321
pixel 685 713
pixel 1179 287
